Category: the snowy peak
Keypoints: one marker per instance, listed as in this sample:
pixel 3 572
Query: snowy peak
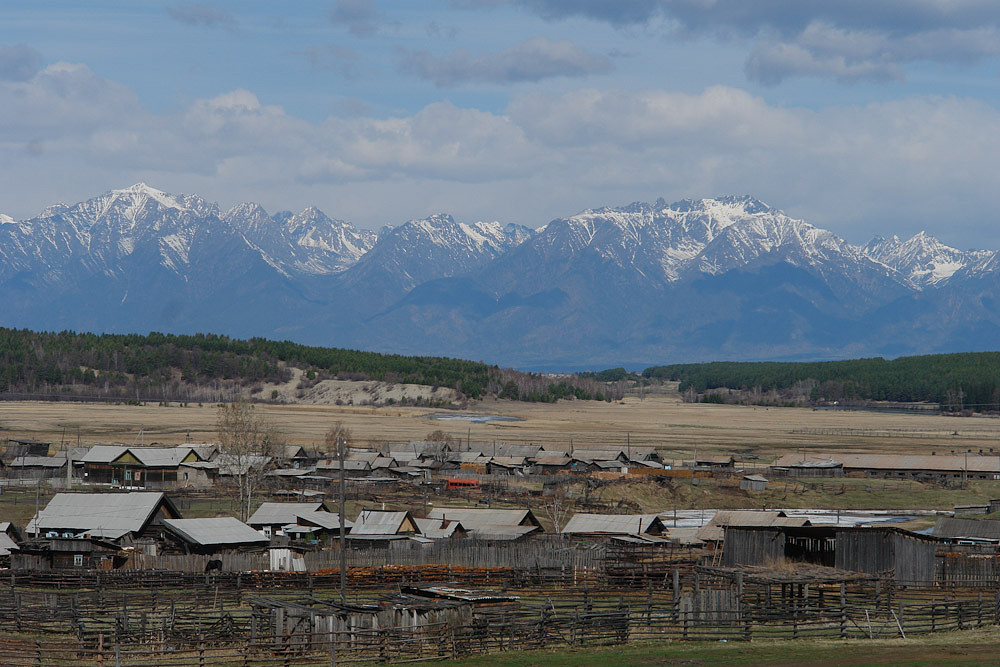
pixel 6 219
pixel 923 260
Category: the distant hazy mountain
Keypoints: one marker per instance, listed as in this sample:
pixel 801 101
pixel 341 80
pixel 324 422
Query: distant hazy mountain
pixel 643 283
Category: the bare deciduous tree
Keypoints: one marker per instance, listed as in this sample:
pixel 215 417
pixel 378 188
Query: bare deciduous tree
pixel 248 442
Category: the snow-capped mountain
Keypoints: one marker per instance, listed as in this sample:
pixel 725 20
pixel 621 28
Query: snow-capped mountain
pixel 644 283
pixel 924 261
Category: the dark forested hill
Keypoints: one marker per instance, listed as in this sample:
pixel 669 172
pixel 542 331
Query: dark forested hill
pixel 956 381
pixel 178 367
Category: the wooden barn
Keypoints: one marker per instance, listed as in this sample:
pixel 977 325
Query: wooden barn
pixel 885 551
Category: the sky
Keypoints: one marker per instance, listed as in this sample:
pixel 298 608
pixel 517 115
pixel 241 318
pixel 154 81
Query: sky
pixel 860 117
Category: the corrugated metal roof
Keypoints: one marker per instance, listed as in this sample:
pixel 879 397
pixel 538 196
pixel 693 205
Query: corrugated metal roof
pixel 108 514
pixel 215 531
pixel 103 453
pixel 269 514
pixel 983 529
pixel 7 545
pixel 474 518
pixel 616 524
pixel 378 522
pixel 755 478
pixel 502 532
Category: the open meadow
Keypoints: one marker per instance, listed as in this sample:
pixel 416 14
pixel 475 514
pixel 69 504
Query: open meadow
pixel 677 429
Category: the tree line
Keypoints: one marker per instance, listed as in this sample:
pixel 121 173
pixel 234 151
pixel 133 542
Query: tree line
pixel 962 381
pixel 160 366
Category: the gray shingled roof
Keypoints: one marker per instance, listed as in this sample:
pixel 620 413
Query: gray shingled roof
pixel 613 524
pixel 110 515
pixel 269 514
pixel 215 531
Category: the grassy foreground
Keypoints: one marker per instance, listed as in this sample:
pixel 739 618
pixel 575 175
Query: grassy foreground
pixel 953 648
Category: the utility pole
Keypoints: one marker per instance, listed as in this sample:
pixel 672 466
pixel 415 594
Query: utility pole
pixel 38 491
pixel 343 532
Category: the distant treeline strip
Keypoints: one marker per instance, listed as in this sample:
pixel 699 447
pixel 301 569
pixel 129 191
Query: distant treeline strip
pixel 956 381
pixel 213 367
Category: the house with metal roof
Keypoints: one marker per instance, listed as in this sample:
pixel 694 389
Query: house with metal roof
pixel 271 518
pixel 491 524
pixel 9 538
pixel 36 467
pixel 441 529
pixel 318 526
pixel 211 535
pixel 119 517
pixel 608 525
pixel 380 527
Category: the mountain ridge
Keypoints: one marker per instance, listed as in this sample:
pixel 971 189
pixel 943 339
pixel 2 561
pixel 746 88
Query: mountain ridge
pixel 640 283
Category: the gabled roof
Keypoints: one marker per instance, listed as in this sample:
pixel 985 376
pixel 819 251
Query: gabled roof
pixel 438 529
pixel 327 520
pixel 110 515
pixel 979 529
pixel 553 461
pixel 215 531
pixel 7 544
pixel 612 524
pixel 381 522
pixel 269 514
pixel 361 456
pixel 103 453
pixel 474 518
pixel 158 457
pixel 509 461
pixel 599 454
pixel 294 452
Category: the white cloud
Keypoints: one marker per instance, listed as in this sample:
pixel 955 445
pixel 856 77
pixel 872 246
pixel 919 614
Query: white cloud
pixel 894 166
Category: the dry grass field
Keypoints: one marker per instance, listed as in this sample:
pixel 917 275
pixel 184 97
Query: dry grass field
pixel 660 420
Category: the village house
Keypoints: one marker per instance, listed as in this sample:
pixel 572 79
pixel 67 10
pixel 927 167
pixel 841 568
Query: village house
pixel 270 519
pixel 379 527
pixel 441 529
pixel 67 553
pixel 211 535
pixel 124 518
pixel 611 525
pixel 491 524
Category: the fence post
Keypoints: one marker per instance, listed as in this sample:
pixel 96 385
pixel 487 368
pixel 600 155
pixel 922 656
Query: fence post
pixel 685 614
pixel 843 610
pixel 201 651
pixel 100 650
pixel 933 616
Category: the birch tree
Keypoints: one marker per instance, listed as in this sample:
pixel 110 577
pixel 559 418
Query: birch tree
pixel 248 442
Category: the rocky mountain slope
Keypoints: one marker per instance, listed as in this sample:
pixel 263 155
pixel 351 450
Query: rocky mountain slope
pixel 697 279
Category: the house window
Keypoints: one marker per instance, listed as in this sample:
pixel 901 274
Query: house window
pixel 128 475
pixel 78 560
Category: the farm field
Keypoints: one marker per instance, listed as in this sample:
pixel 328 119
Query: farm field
pixel 661 420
